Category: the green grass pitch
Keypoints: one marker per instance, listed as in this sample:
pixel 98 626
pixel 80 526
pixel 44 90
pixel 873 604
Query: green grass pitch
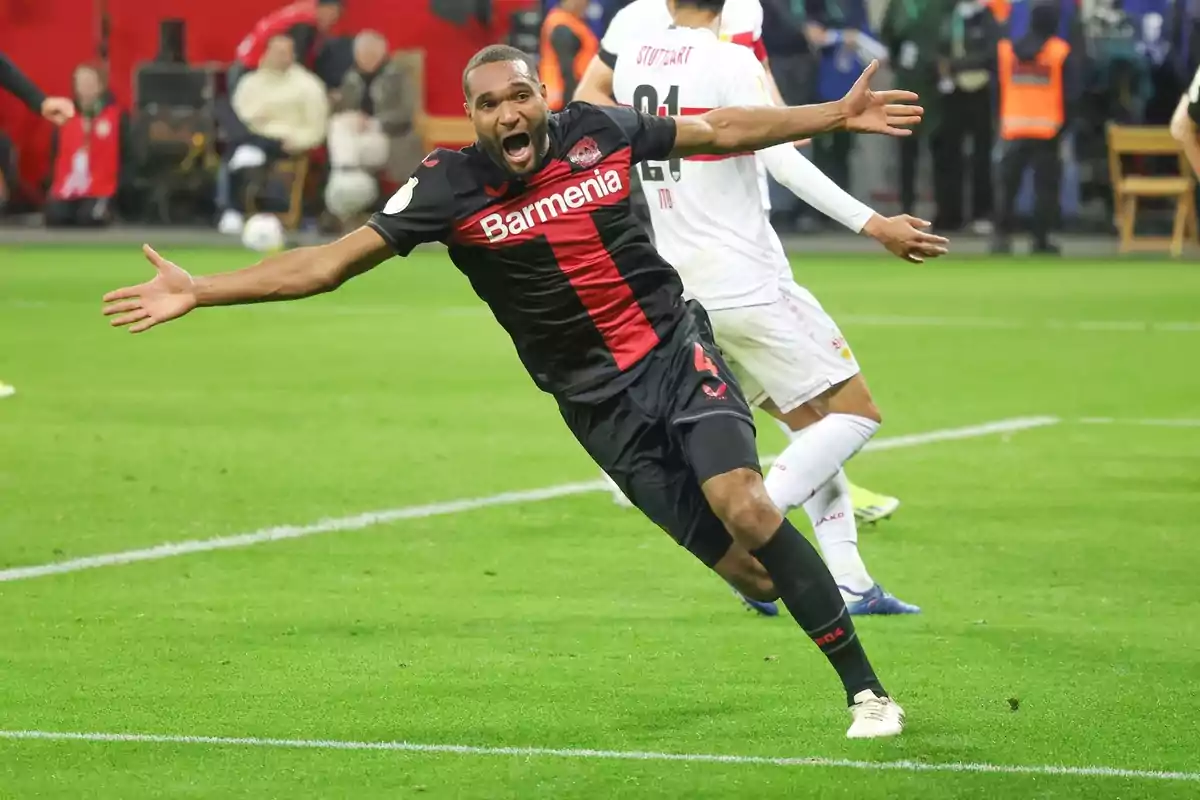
pixel 1055 565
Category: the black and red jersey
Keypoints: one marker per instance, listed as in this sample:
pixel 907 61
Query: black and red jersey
pixel 558 255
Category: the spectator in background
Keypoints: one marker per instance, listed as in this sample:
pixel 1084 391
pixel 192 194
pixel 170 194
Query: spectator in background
pixel 1040 84
pixel 912 32
pixel 88 156
pixel 373 111
pixel 567 47
pixel 285 111
pixel 967 59
pixel 307 23
pixel 840 30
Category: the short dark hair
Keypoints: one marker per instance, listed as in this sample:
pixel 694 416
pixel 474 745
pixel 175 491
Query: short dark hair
pixel 715 6
pixel 496 54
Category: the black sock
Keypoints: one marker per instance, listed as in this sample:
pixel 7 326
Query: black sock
pixel 811 595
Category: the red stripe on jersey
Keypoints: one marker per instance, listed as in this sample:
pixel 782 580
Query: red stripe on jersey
pixel 715 157
pixel 603 291
pixel 557 206
pixel 663 111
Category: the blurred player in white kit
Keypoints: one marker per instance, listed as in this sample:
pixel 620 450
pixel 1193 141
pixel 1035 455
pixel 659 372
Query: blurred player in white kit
pixel 710 223
pixel 740 23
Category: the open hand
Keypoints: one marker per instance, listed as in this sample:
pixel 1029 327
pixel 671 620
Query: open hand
pixel 906 237
pixel 58 109
pixel 889 112
pixel 169 294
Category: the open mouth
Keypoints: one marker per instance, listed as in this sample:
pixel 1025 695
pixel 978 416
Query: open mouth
pixel 518 148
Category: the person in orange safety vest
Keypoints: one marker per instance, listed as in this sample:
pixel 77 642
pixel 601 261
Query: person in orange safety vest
pixel 1038 81
pixel 567 47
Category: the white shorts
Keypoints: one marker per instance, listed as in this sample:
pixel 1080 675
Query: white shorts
pixel 788 351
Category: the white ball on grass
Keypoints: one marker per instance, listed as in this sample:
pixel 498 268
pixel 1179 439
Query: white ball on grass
pixel 263 233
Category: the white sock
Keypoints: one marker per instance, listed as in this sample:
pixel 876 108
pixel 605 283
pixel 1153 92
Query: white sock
pixel 832 516
pixel 811 460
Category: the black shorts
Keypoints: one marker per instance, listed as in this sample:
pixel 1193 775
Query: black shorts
pixel 682 421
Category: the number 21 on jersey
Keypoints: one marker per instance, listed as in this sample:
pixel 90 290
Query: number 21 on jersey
pixel 646 100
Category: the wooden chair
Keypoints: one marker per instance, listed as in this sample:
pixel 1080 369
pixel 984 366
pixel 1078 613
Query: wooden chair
pixel 1132 140
pixel 452 131
pixel 447 131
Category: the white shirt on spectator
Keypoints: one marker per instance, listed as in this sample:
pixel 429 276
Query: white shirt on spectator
pixel 290 106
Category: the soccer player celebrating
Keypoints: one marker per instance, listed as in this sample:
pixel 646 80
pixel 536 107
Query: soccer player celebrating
pixel 536 214
pixel 789 356
pixel 740 22
pixel 56 109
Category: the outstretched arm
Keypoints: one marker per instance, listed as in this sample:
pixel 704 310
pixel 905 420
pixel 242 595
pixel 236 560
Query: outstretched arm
pixel 298 273
pixel 56 109
pixel 903 236
pixel 803 179
pixel 13 80
pixel 1183 123
pixel 303 272
pixel 739 129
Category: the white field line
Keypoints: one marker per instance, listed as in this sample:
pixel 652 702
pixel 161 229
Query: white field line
pixel 1150 423
pixel 1000 323
pixel 611 755
pixel 371 518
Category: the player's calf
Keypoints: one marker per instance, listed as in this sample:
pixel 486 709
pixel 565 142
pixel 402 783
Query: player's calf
pixel 797 572
pixel 743 572
pixel 741 502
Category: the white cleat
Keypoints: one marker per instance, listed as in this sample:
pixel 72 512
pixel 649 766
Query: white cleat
pixel 618 496
pixel 7 390
pixel 875 717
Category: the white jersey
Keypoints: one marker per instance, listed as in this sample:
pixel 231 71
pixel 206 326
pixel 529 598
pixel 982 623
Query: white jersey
pixel 708 215
pixel 741 24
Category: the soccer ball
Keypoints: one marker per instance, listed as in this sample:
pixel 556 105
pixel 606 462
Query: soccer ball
pixel 263 233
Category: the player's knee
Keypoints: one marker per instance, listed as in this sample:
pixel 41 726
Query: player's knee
pixel 740 500
pixel 872 412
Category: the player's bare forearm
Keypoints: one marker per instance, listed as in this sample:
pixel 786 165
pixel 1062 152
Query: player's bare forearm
pixel 1183 129
pixel 172 292
pixel 740 129
pixel 1191 151
pixel 303 272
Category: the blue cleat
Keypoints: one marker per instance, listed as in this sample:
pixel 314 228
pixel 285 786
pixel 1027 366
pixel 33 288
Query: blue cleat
pixel 876 601
pixel 763 607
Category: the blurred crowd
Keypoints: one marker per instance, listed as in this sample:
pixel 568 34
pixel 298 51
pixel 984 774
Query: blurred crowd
pixel 1124 61
pixel 297 104
pixel 294 103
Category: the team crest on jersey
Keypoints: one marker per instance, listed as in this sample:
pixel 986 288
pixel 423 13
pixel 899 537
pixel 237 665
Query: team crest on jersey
pixel 585 153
